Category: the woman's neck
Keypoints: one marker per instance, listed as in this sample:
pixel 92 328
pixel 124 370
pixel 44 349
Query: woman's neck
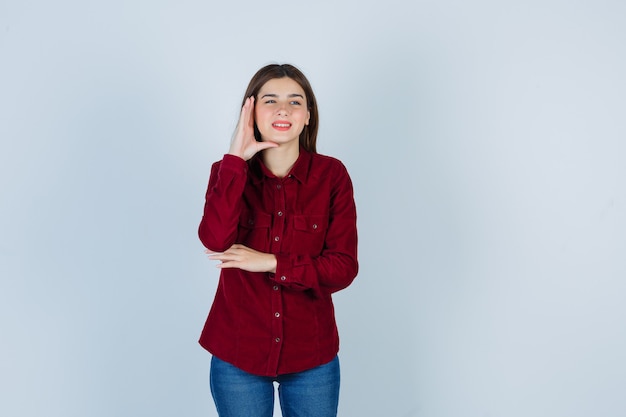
pixel 280 160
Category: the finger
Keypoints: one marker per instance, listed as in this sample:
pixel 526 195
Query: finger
pixel 231 254
pixel 227 265
pixel 243 115
pixel 244 118
pixel 223 256
pixel 250 121
pixel 220 255
pixel 215 254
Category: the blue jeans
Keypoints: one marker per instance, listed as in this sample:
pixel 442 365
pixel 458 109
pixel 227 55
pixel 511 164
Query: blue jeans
pixel 311 393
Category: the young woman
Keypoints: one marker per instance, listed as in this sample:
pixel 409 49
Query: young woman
pixel 281 220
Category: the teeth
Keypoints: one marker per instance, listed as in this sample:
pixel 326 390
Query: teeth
pixel 282 124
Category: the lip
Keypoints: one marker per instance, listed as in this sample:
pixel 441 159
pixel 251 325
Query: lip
pixel 281 125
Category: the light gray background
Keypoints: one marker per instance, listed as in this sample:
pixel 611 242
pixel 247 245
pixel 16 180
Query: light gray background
pixel 486 144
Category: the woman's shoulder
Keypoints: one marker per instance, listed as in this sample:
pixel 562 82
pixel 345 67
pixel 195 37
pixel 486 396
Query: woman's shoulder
pixel 327 162
pixel 329 168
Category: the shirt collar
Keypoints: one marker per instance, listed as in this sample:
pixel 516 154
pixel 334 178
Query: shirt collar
pixel 299 171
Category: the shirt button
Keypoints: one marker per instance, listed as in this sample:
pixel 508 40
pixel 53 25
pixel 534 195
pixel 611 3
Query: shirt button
pixel 276 314
pixel 278 186
pixel 277 340
pixel 275 288
pixel 314 226
pixel 280 213
pixel 283 278
pixel 276 238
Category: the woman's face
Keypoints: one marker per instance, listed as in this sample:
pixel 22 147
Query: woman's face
pixel 281 111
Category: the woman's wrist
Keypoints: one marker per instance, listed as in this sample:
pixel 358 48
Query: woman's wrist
pixel 272 263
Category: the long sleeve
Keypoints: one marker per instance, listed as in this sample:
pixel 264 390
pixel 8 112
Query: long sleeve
pixel 223 204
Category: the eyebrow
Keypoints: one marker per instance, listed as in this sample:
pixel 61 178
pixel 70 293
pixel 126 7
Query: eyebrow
pixel 288 95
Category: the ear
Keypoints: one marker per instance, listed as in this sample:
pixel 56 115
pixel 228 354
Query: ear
pixel 308 117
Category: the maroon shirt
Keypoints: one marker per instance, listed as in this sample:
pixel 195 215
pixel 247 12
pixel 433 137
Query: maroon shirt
pixel 271 324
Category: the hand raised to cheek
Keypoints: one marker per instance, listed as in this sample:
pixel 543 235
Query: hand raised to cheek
pixel 243 144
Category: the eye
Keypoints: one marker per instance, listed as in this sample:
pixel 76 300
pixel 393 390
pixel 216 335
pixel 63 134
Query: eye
pixel 295 103
pixel 270 101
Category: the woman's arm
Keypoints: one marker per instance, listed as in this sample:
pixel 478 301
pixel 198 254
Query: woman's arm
pixel 223 203
pixel 218 228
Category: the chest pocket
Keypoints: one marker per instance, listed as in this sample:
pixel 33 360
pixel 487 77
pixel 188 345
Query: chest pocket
pixel 254 230
pixel 309 232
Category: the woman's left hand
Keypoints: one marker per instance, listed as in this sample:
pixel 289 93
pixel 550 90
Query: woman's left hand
pixel 242 257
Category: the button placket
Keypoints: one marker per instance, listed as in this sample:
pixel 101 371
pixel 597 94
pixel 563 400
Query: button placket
pixel 278 226
pixel 276 240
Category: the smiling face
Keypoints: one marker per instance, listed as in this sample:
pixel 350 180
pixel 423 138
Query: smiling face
pixel 281 111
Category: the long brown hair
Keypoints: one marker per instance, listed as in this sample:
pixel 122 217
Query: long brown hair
pixel 308 136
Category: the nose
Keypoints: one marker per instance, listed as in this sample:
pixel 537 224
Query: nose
pixel 282 110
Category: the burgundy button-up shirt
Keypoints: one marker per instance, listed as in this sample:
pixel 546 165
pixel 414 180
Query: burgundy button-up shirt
pixel 266 323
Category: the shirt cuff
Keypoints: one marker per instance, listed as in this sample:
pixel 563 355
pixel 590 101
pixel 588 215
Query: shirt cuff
pixel 283 273
pixel 234 163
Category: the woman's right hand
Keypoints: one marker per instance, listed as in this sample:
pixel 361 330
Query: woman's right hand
pixel 243 143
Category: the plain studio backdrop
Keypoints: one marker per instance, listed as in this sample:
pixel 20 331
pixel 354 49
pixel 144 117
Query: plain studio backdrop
pixel 486 142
